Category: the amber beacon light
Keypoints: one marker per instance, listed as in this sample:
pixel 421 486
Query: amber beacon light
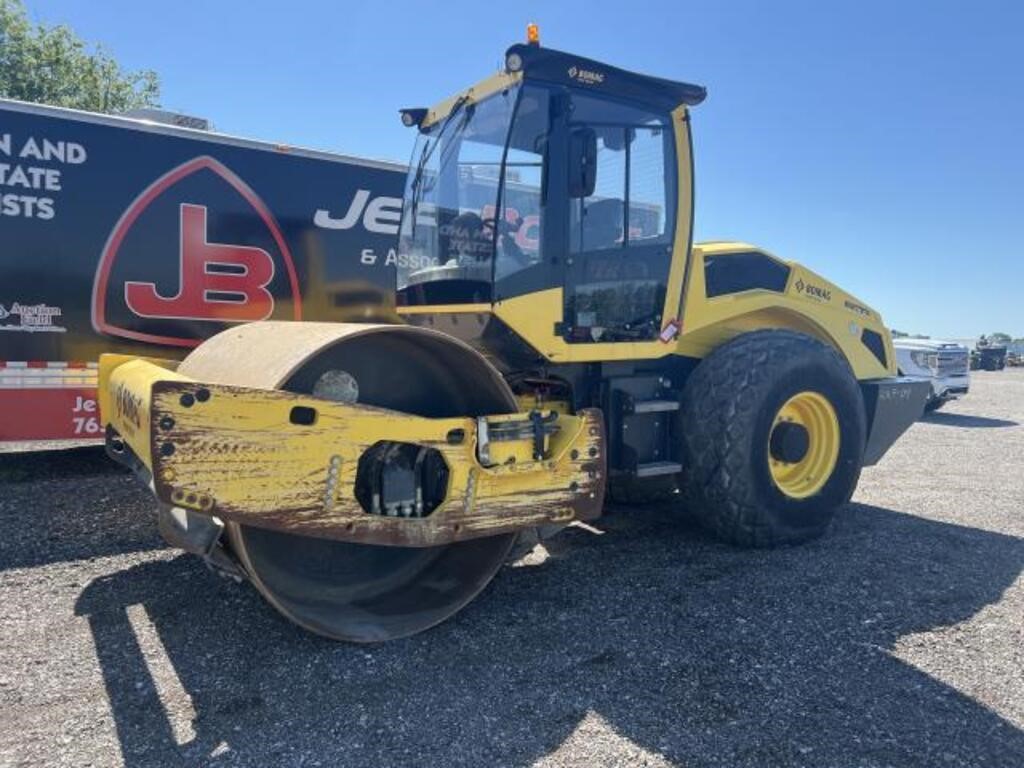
pixel 533 34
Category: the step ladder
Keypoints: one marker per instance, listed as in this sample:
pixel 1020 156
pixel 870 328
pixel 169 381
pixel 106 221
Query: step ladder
pixel 641 428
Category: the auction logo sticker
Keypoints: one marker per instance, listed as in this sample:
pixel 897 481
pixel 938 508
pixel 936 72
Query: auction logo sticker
pixel 31 318
pixel 218 282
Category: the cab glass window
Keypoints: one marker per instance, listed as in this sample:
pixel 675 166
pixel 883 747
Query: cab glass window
pixel 447 244
pixel 520 223
pixel 620 234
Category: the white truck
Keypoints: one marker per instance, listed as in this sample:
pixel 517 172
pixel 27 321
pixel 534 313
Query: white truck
pixel 944 363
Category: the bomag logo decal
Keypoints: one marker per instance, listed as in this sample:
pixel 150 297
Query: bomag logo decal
pixel 219 263
pixel 128 406
pixel 586 76
pixel 812 291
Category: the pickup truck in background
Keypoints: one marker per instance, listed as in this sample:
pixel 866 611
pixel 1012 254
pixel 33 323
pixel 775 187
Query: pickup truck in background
pixel 944 363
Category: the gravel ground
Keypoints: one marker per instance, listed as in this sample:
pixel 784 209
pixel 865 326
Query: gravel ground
pixel 896 640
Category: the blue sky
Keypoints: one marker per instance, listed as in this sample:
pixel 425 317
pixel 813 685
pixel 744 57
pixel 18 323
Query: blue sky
pixel 880 143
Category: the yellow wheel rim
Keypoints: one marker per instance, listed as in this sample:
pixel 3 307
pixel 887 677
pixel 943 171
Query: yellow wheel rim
pixel 803 445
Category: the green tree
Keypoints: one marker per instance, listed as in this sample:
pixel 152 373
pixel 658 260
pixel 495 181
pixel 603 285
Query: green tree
pixel 52 65
pixel 1000 338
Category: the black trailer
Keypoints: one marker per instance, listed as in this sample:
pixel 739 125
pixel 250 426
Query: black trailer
pixel 119 234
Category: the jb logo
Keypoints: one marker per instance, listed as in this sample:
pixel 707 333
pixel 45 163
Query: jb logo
pixel 217 281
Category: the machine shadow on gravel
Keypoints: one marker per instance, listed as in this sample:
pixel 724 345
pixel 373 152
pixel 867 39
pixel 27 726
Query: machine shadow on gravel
pixel 970 422
pixel 34 466
pixel 58 506
pixel 689 649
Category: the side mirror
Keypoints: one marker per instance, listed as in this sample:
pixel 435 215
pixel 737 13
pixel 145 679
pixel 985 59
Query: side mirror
pixel 582 162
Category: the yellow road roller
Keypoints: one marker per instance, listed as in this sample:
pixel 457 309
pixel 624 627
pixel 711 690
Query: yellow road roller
pixel 556 333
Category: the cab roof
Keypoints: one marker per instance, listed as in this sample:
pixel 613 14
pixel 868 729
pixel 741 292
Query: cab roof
pixel 547 64
pixel 569 69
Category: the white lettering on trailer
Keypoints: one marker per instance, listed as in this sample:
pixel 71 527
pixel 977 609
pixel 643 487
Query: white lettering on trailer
pixel 84 419
pixel 392 258
pixel 62 151
pixel 30 177
pixel 82 405
pixel 409 260
pixel 26 205
pixel 381 216
pixel 323 218
pixel 33 177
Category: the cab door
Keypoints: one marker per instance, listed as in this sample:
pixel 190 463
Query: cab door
pixel 620 220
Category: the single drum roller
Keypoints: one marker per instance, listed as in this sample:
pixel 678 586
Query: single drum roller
pixel 370 479
pixel 360 592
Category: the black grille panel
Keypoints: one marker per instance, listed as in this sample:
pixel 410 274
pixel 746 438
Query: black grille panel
pixel 873 341
pixel 734 272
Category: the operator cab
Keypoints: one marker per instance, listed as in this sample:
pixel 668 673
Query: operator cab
pixel 557 173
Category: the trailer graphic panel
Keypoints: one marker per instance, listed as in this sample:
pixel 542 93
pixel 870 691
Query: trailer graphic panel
pixel 120 235
pixel 228 281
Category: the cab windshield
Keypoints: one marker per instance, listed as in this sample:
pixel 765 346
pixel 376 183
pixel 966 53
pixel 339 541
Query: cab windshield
pixel 472 204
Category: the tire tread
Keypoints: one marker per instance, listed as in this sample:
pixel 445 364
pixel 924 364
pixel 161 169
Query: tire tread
pixel 719 405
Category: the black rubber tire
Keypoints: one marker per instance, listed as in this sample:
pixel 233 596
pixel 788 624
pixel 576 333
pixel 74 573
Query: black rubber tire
pixel 729 405
pixel 933 405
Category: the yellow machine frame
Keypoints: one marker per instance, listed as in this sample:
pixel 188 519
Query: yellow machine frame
pixel 238 453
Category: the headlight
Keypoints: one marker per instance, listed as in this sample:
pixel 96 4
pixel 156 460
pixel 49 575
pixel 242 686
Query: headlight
pixel 921 358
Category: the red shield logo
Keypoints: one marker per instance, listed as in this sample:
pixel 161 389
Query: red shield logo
pixel 217 278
